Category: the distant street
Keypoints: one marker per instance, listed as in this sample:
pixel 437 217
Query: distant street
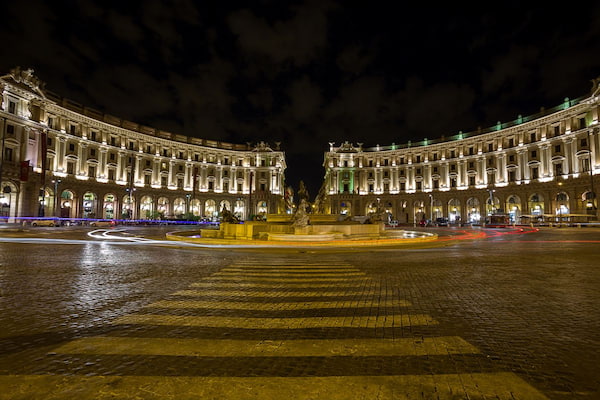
pixel 494 314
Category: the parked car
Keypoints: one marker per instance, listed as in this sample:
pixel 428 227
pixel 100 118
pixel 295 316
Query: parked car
pixel 103 223
pixel 45 222
pixel 441 221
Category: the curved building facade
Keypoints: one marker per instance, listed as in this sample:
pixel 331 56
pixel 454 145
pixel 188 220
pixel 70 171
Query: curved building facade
pixel 61 159
pixel 541 167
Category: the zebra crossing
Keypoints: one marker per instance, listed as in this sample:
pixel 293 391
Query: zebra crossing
pixel 258 330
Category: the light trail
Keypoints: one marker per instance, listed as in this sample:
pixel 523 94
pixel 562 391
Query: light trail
pixel 117 236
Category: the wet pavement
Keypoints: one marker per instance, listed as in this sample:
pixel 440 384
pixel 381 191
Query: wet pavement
pixel 509 316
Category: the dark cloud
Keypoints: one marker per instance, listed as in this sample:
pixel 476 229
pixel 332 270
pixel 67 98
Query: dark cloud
pixel 298 39
pixel 307 72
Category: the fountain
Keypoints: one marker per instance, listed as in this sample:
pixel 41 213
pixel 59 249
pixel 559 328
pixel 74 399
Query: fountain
pixel 302 229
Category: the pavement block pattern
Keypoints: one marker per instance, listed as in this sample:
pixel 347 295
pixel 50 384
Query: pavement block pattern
pixel 273 329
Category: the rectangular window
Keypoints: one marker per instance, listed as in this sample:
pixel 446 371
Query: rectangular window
pixel 181 154
pixel 436 184
pixel 179 183
pixel 72 129
pixel 8 154
pixel 113 141
pixel 583 142
pixel 418 159
pixel 585 165
pixel 196 157
pixel 402 186
pixel 558 170
pixel 401 160
pixel 386 174
pixel 419 185
pixel 533 154
pixel 92 152
pixel 130 145
pixel 226 186
pixel 385 162
pixel 163 181
pixel 511 142
pixel 470 151
pixel 10 129
pixel 511 158
pixel 112 156
pixel 581 123
pixel 453 167
pixel 471 165
pixel 490 147
pixel 371 188
pixel 471 181
pixel 453 182
pixel 435 170
pixel 50 122
pixel 148 163
pixel 147 179
pixel 534 173
pixel 532 137
pixel 70 167
pixel 92 171
pixel 401 172
pixel 556 130
pixel 263 187
pixel 210 185
pixel 452 154
pixel 370 163
pixel 512 176
pixel 386 187
pixel 557 148
pixel 165 153
pixel 12 107
pixel 71 147
pixel 93 136
pixel 111 174
pixel 239 187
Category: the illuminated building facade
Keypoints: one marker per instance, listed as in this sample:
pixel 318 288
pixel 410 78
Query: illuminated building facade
pixel 60 159
pixel 544 166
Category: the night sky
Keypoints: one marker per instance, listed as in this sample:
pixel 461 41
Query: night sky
pixel 310 72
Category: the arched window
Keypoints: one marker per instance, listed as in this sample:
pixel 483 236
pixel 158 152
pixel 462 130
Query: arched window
pixel 89 205
pixel 109 206
pixel 210 208
pixel 473 210
pixel 147 208
pixel 536 205
pixel 239 209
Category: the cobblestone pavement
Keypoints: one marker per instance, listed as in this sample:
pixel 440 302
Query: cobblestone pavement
pixel 508 317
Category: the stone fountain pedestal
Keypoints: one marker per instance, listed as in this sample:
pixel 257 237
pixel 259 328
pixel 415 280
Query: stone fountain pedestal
pixel 278 227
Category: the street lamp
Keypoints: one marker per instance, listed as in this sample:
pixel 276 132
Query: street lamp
pixel 187 205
